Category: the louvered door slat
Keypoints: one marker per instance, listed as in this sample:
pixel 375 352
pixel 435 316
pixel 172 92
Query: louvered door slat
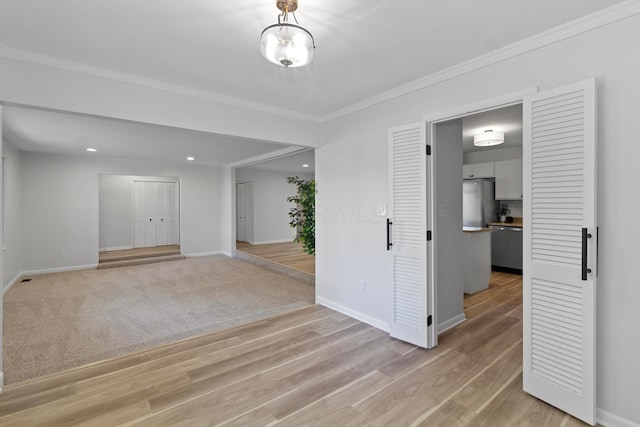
pixel 559 201
pixel 407 171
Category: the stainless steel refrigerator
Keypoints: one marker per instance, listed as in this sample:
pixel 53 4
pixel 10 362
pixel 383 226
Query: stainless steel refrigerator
pixel 478 202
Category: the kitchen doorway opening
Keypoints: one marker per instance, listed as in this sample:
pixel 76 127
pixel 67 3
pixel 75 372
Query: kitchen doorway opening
pixel 445 136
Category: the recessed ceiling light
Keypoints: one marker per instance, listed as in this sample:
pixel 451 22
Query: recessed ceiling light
pixel 191 158
pixel 305 166
pixel 93 150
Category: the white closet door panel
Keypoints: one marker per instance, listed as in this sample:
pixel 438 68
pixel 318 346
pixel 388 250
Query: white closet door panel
pixel 559 261
pixel 150 212
pixel 407 183
pixel 161 225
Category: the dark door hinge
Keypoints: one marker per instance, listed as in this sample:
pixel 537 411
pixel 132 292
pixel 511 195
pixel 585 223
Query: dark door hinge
pixel 428 235
pixel 429 320
pixel 428 150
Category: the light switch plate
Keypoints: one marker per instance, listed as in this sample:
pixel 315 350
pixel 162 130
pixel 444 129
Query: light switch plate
pixel 443 211
pixel 381 210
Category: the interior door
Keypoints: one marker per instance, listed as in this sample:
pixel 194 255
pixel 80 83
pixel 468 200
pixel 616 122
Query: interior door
pixel 150 214
pixel 560 247
pixel 161 225
pixel 407 236
pixel 244 212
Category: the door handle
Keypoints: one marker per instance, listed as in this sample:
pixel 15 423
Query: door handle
pixel 585 270
pixel 389 244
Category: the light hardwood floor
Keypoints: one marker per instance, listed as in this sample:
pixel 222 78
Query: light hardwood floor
pixel 138 253
pixel 289 254
pixel 310 367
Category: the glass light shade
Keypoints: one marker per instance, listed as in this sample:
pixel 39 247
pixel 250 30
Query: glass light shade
pixel 488 138
pixel 287 45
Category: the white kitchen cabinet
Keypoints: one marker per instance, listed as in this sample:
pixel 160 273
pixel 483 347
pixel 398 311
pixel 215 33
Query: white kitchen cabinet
pixel 476 251
pixel 508 175
pixel 477 170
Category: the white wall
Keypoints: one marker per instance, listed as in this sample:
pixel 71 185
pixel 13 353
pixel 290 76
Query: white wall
pixel 60 224
pixel 25 83
pixel 116 209
pixel 448 229
pixel 11 251
pixel 351 171
pixel 115 212
pixel 270 206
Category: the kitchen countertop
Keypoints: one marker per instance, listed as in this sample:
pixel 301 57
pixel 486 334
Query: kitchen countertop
pixel 507 224
pixel 474 229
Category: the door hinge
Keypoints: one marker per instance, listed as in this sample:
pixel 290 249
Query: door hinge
pixel 429 320
pixel 428 150
pixel 428 235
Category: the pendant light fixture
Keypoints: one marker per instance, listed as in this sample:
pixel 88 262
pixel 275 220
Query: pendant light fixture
pixel 488 138
pixel 285 43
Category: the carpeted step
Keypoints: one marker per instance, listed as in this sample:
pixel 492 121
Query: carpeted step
pixel 140 261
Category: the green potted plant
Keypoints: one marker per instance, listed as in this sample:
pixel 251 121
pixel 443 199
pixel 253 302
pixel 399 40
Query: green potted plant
pixel 303 214
pixel 502 211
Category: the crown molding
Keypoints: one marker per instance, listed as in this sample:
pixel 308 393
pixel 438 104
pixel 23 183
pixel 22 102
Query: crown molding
pixel 120 77
pixel 283 152
pixel 571 29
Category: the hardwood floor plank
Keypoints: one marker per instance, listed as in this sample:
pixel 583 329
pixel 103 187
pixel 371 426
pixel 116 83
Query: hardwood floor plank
pixel 202 383
pixel 289 254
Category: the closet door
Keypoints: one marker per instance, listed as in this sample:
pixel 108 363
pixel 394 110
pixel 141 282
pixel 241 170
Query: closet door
pixel 244 212
pixel 560 248
pixel 407 236
pixel 150 214
pixel 162 213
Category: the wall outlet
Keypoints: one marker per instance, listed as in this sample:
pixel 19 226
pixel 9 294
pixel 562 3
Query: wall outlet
pixel 381 210
pixel 63 253
pixel 363 285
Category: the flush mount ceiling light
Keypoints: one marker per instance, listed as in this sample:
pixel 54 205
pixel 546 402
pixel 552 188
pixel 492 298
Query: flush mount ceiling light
pixel 488 138
pixel 287 44
pixel 93 150
pixel 191 158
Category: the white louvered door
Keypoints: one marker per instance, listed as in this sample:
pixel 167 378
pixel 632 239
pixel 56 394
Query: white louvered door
pixel 407 235
pixel 559 257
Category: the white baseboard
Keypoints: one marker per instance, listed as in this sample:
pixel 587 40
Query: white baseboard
pixel 608 419
pixel 116 248
pixel 1 381
pixel 11 283
pixel 201 254
pixel 60 269
pixel 267 242
pixel 228 254
pixel 451 323
pixel 376 323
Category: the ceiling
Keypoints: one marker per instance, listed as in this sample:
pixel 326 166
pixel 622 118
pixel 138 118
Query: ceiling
pixel 507 120
pixel 364 48
pixel 63 133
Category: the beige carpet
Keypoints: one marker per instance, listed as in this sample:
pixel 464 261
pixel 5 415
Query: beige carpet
pixel 61 320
